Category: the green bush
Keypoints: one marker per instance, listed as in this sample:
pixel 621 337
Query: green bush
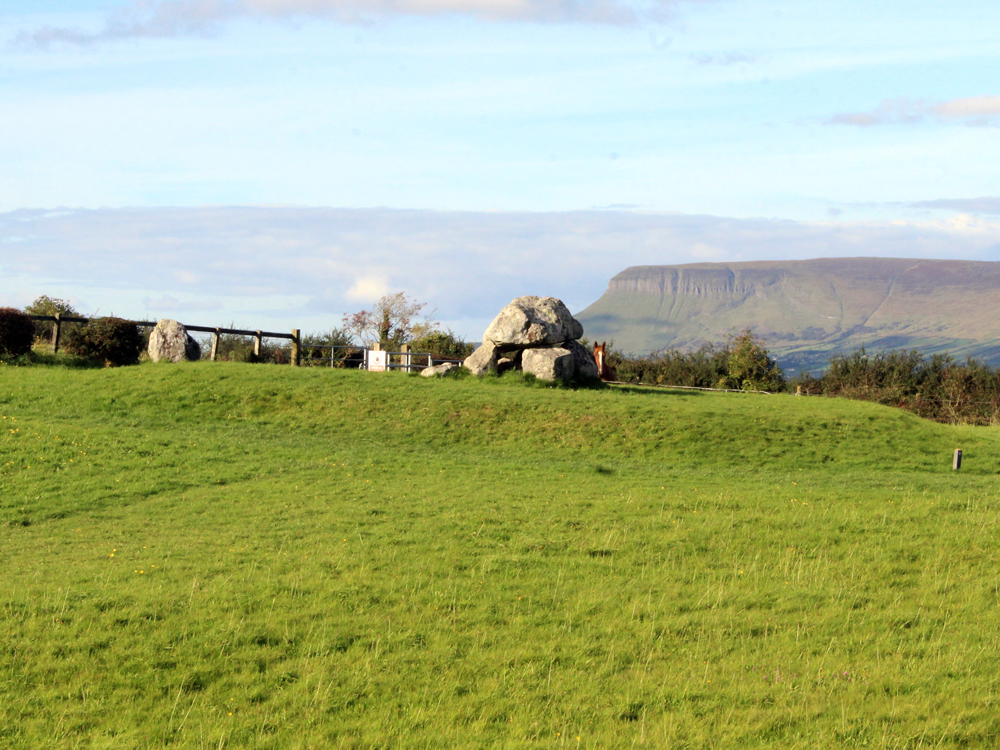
pixel 935 388
pixel 742 364
pixel 749 366
pixel 701 368
pixel 236 347
pixel 442 345
pixel 315 350
pixel 16 332
pixel 114 341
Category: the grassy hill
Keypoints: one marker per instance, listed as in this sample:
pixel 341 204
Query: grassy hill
pixel 806 310
pixel 229 555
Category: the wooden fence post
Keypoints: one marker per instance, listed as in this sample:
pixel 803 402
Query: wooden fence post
pixel 256 345
pixel 296 348
pixel 215 344
pixel 406 357
pixel 55 333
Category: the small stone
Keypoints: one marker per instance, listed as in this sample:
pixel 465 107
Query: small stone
pixel 441 369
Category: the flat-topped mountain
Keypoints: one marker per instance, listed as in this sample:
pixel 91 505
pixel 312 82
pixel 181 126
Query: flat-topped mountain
pixel 806 310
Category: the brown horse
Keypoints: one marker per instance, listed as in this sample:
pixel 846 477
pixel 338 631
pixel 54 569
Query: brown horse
pixel 603 369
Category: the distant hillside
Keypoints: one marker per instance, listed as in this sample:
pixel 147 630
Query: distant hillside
pixel 806 310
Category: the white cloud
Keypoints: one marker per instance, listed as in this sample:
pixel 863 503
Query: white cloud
pixel 368 289
pixel 976 110
pixel 973 109
pixel 888 111
pixel 283 268
pixel 170 18
pixel 985 205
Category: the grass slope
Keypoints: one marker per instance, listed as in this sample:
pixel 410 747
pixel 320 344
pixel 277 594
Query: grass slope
pixel 226 555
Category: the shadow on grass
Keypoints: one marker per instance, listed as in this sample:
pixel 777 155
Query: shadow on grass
pixel 655 390
pixel 44 359
pixel 578 383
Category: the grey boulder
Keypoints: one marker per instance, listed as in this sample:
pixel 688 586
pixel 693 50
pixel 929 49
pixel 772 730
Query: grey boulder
pixel 533 321
pixel 169 341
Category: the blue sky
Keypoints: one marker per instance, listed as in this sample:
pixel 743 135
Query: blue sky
pixel 851 119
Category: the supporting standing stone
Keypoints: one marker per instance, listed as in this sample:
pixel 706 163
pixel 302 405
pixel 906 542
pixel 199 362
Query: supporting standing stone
pixel 484 359
pixel 170 341
pixel 586 365
pixel 550 363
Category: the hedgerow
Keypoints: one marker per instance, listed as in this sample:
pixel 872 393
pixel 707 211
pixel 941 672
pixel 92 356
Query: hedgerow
pixel 16 332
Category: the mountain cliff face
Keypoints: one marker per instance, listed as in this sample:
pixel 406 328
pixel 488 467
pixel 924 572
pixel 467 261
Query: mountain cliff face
pixel 806 310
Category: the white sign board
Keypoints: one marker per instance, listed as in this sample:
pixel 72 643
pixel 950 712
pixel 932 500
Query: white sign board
pixel 376 361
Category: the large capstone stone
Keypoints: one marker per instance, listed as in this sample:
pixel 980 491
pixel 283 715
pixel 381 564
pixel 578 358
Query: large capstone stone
pixel 483 360
pixel 549 363
pixel 586 365
pixel 171 342
pixel 533 321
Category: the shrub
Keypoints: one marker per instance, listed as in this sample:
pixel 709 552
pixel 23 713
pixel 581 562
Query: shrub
pixel 701 368
pixel 749 366
pixel 315 349
pixel 113 341
pixel 231 347
pixel 936 388
pixel 442 345
pixel 16 332
pixel 46 305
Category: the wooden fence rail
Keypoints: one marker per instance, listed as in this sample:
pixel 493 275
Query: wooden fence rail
pixel 258 336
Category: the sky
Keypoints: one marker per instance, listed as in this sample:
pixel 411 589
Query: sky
pixel 278 163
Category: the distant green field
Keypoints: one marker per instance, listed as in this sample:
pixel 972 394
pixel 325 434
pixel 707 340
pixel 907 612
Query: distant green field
pixel 225 555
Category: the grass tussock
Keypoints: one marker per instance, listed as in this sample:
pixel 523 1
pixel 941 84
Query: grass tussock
pixel 220 555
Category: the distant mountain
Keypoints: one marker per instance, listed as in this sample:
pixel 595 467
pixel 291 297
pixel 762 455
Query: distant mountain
pixel 806 310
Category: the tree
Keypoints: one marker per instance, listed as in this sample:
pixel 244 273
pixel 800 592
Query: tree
pixel 391 322
pixel 750 367
pixel 442 345
pixel 46 305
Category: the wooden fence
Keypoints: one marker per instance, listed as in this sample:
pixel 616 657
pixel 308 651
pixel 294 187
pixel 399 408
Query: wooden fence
pixel 258 336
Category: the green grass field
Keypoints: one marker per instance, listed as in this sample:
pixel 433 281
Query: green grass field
pixel 225 555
